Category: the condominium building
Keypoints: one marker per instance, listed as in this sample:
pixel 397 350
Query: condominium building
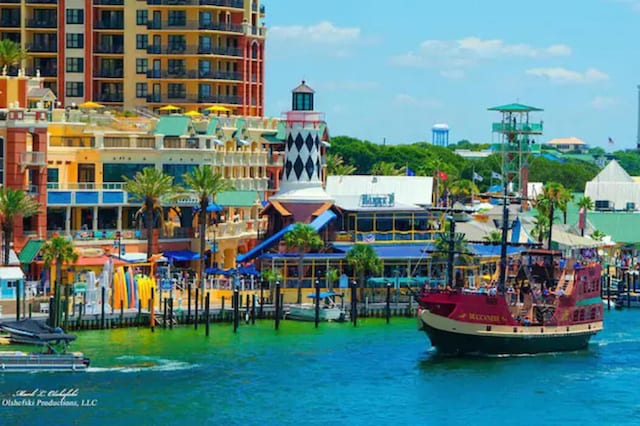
pixel 133 54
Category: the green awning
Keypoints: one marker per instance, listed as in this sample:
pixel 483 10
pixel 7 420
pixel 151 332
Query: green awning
pixel 30 251
pixel 515 108
pixel 238 198
pixel 173 125
pixel 273 138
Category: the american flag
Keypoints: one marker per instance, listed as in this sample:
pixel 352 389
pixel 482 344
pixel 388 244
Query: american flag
pixel 611 140
pixel 369 238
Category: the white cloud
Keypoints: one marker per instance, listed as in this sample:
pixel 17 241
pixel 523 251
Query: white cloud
pixel 408 100
pixel 602 102
pixel 452 55
pixel 322 33
pixel 563 75
pixel 634 4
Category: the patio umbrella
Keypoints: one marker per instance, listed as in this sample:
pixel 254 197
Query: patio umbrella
pixel 218 108
pixel 90 105
pixel 193 114
pixel 169 108
pixel 249 270
pixel 213 207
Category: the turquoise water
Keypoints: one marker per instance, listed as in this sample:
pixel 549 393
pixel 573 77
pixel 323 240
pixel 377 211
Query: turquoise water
pixel 375 374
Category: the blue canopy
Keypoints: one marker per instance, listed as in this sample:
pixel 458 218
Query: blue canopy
pixel 248 270
pixel 181 255
pixel 213 207
pixel 322 294
pixel 214 271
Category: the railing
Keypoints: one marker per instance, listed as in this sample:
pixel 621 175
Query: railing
pixel 44 47
pixel 44 72
pixel 184 98
pixel 109 25
pixel 194 50
pixel 37 2
pixel 42 23
pixel 33 158
pixel 126 142
pixel 9 23
pixel 110 98
pixel 238 4
pixel 108 2
pixel 72 141
pixel 181 143
pixel 108 49
pixel 195 74
pixel 113 186
pixel 108 73
pixel 194 25
pixel 518 127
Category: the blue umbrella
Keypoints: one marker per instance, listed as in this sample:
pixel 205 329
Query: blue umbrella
pixel 214 271
pixel 213 207
pixel 249 270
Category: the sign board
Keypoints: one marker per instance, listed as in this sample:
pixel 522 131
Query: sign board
pixel 344 281
pixel 377 200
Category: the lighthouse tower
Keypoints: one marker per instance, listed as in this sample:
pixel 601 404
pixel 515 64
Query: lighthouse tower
pixel 302 172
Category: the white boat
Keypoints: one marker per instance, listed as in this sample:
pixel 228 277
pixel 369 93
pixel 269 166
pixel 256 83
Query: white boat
pixel 330 310
pixel 53 344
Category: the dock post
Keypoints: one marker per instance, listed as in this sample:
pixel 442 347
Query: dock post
pixel 388 307
pixel 152 310
pixel 247 309
pixel 261 312
pixel 253 309
pixel 164 313
pixel 195 320
pixel 121 314
pixel 236 308
pixel 277 313
pixel 104 296
pixel 139 312
pixel 354 304
pixel 51 310
pixel 222 308
pixel 608 293
pixel 206 314
pixel 188 303
pixel 66 306
pixel 317 302
pixel 171 313
pixel 18 301
pixel 30 310
pixel 628 289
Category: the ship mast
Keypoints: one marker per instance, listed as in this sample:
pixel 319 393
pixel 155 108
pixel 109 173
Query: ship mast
pixel 503 242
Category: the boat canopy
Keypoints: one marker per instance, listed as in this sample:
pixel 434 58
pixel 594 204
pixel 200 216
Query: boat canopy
pixel 36 331
pixel 323 295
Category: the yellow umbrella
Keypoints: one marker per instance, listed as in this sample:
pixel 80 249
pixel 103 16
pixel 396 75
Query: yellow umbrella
pixel 193 114
pixel 218 108
pixel 169 108
pixel 90 105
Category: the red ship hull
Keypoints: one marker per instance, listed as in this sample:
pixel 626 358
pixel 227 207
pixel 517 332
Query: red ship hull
pixel 459 323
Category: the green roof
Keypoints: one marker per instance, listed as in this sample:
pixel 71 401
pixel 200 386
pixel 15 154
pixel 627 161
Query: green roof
pixel 273 138
pixel 515 108
pixel 622 226
pixel 30 251
pixel 237 198
pixel 173 125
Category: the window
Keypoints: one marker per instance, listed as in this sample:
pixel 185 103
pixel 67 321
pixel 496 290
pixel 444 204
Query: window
pixel 52 178
pixel 75 16
pixel 75 64
pixel 141 41
pixel 177 18
pixel 176 90
pixel 75 89
pixel 142 17
pixel 113 172
pixel 177 171
pixel 141 66
pixel 75 40
pixel 141 90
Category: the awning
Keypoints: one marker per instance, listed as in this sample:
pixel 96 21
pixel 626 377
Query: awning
pixel 181 255
pixel 280 208
pixel 96 261
pixel 322 209
pixel 30 251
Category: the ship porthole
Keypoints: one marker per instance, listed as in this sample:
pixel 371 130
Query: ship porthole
pixel 488 328
pixel 515 329
pixel 589 326
pixel 567 329
pixel 542 330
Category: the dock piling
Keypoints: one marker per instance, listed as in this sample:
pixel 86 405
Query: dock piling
pixel 236 308
pixel 104 296
pixel 188 303
pixel 195 320
pixel 171 313
pixel 388 307
pixel 253 309
pixel 152 311
pixel 317 301
pixel 206 315
pixel 277 313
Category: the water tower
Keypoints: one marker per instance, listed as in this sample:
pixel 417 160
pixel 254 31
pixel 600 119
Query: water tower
pixel 440 134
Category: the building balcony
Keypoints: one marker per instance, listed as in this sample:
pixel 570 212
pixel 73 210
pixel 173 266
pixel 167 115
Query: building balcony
pixel 139 142
pixel 183 98
pixel 44 72
pixel 10 23
pixel 42 47
pixel 180 143
pixel 82 186
pixel 108 49
pixel 115 97
pixel 119 73
pixel 32 159
pixel 72 141
pixel 238 4
pixel 194 50
pixel 194 26
pixel 37 2
pixel 10 2
pixel 194 74
pixel 108 2
pixel 109 25
pixel 42 23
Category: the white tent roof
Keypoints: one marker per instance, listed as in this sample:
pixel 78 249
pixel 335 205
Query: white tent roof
pixel 416 190
pixel 613 172
pixel 11 273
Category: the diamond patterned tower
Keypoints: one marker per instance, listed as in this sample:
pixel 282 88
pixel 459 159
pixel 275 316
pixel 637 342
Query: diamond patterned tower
pixel 302 174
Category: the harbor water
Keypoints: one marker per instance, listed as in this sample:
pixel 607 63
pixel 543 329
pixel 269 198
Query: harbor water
pixel 377 373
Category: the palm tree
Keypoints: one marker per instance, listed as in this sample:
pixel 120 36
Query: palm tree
pixel 443 248
pixel 152 187
pixel 462 189
pixel 302 238
pixel 598 235
pixel 14 203
pixel 337 167
pixel 551 198
pixel 271 276
pixel 493 237
pixel 564 198
pixel 587 204
pixel 10 53
pixel 206 184
pixel 383 168
pixel 333 275
pixel 58 250
pixel 540 226
pixel 364 260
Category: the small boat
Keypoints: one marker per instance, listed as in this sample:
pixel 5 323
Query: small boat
pixel 53 343
pixel 628 300
pixel 329 309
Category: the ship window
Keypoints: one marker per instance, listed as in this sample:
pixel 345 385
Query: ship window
pixel 365 223
pixel 593 313
pixel 575 315
pixel 581 314
pixel 11 284
pixel 384 223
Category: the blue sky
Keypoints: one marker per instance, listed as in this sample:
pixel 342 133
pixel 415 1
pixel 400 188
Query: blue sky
pixel 390 70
